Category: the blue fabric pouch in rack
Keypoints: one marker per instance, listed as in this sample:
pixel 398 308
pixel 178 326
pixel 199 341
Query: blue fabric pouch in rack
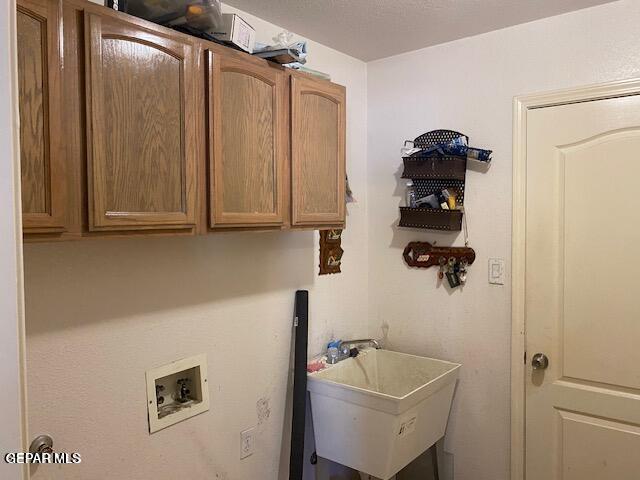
pixel 457 146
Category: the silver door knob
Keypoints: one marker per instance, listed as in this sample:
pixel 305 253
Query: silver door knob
pixel 539 361
pixel 42 444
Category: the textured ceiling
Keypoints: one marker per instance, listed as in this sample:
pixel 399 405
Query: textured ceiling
pixel 372 29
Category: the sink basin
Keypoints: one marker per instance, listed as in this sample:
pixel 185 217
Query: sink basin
pixel 380 410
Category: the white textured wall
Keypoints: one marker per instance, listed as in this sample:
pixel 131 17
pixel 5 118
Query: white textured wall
pixel 102 312
pixel 468 85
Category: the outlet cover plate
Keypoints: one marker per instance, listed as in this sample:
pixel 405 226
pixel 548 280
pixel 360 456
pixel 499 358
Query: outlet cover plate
pixel 247 442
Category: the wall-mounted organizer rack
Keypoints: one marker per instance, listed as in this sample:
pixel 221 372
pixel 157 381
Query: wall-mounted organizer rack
pixel 436 164
pixel 430 173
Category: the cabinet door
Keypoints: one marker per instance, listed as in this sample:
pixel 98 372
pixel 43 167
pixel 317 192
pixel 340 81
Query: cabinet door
pixel 318 152
pixel 39 103
pixel 140 127
pixel 246 157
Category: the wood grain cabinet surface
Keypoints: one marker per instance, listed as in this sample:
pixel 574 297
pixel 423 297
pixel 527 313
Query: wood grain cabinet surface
pixel 39 102
pixel 247 103
pixel 317 152
pixel 140 126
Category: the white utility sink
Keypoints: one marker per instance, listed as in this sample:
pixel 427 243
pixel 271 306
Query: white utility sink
pixel 380 410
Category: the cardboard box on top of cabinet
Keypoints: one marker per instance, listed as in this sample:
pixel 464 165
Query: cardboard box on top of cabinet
pixel 237 31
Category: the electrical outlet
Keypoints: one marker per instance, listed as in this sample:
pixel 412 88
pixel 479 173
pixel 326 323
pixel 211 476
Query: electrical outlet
pixel 247 442
pixel 496 271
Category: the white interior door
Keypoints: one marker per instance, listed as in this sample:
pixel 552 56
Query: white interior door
pixel 582 300
pixel 12 411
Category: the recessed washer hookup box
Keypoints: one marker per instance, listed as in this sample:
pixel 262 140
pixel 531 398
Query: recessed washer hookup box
pixel 237 31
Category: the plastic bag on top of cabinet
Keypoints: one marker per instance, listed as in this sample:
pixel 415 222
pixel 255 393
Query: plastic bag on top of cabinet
pixel 199 14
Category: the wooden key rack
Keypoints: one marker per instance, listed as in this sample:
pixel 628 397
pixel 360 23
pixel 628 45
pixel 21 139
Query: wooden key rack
pixel 425 255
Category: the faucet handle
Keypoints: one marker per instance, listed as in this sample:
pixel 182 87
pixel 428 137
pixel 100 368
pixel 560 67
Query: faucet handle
pixel 183 393
pixel 159 398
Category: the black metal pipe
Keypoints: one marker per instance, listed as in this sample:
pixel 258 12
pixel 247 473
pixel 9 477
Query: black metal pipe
pixel 301 328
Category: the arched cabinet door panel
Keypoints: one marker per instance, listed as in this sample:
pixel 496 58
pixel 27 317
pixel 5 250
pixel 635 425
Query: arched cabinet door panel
pixel 140 127
pixel 44 186
pixel 247 122
pixel 318 152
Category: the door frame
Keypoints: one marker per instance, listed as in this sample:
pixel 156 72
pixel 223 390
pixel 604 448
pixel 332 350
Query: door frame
pixel 12 327
pixel 521 106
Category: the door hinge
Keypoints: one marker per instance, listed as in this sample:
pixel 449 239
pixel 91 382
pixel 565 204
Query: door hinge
pixel 525 357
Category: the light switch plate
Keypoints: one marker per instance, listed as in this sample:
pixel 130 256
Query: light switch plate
pixel 496 271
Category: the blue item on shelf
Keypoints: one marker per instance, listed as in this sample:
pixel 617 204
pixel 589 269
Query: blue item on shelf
pixel 479 154
pixel 457 146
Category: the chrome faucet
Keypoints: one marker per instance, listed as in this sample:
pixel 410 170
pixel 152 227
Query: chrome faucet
pixel 336 352
pixel 365 341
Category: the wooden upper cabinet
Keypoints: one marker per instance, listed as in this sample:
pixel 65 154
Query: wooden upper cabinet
pixel 247 128
pixel 39 102
pixel 150 109
pixel 141 101
pixel 318 152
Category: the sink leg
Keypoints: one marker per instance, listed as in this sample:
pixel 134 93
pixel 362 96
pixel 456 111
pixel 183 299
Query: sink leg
pixel 434 461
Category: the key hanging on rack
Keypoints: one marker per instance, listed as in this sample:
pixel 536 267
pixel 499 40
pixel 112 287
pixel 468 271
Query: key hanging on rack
pixel 452 275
